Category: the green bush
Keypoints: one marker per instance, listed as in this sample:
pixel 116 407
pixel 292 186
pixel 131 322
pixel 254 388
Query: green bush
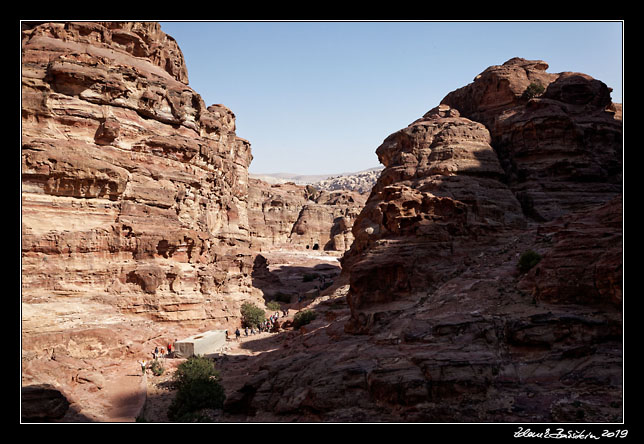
pixel 533 90
pixel 273 306
pixel 302 318
pixel 198 387
pixel 195 368
pixel 252 315
pixel 194 396
pixel 157 368
pixel 528 260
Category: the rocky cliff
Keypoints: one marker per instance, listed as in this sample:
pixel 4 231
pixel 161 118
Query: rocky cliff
pixel 442 324
pixel 136 206
pixel 560 143
pixel 136 210
pixel 134 192
pixel 301 217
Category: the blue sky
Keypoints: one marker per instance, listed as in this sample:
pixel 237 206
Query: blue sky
pixel 320 97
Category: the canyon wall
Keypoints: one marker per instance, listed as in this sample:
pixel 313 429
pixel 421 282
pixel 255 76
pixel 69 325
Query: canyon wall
pixel 442 324
pixel 134 192
pixel 138 217
pixel 136 204
pixel 301 217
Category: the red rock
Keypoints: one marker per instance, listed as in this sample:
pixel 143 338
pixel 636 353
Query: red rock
pixel 441 326
pixel 300 217
pixel 561 151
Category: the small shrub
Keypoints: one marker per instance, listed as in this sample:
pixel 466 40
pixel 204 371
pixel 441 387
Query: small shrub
pixel 157 368
pixel 198 388
pixel 533 90
pixel 528 260
pixel 193 417
pixel 273 306
pixel 195 368
pixel 194 396
pixel 302 318
pixel 251 315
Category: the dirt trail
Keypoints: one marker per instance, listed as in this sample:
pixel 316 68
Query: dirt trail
pixel 232 365
pixel 127 395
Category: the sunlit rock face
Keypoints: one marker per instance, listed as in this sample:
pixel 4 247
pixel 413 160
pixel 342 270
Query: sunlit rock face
pixel 301 217
pixel 134 192
pixel 561 149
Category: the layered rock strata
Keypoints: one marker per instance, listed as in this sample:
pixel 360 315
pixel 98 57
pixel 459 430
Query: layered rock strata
pixel 301 217
pixel 439 198
pixel 134 192
pixel 560 147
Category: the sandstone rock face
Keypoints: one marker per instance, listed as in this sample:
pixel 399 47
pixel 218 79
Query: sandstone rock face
pixel 582 263
pixel 133 191
pixel 441 325
pixel 560 150
pixel 439 196
pixel 301 217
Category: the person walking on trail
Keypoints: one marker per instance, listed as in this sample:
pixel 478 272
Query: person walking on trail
pixel 169 347
pixel 143 365
pixel 237 334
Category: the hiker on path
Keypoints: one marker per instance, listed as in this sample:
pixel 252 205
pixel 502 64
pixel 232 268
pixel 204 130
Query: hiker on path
pixel 169 347
pixel 143 365
pixel 237 334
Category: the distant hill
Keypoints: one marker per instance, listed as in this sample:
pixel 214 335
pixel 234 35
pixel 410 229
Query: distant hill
pixel 299 179
pixel 361 181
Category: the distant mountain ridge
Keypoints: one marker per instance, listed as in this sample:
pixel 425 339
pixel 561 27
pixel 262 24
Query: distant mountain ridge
pixel 360 181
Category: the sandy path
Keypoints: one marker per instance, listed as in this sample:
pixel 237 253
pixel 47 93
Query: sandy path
pixel 127 395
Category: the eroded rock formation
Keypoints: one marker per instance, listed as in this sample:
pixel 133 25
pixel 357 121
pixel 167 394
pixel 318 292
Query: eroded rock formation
pixel 133 190
pixel 439 199
pixel 441 324
pixel 136 200
pixel 561 150
pixel 301 217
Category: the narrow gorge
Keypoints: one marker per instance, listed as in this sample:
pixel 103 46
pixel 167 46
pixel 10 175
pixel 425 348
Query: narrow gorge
pixel 140 225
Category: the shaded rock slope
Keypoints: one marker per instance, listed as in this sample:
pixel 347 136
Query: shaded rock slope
pixel 437 323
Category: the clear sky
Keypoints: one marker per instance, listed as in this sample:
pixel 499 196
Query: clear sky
pixel 320 97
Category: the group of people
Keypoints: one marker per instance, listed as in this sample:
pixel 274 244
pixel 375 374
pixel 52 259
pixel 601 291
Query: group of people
pixel 266 326
pixel 156 354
